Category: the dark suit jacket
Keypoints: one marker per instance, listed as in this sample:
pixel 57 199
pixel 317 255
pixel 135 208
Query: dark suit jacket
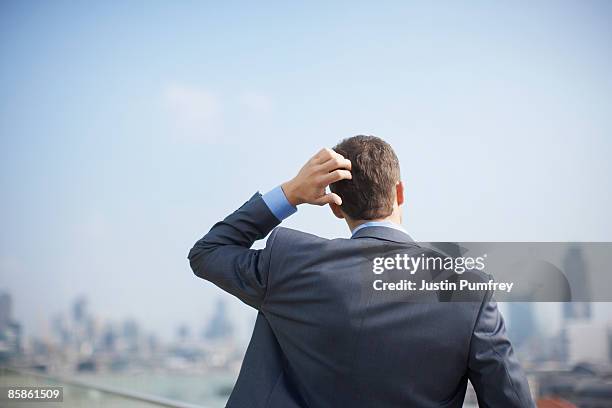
pixel 324 338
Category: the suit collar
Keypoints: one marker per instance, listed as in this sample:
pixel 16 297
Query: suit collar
pixel 384 233
pixel 378 224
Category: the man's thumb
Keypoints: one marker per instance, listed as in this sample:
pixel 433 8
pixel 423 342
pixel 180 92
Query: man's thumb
pixel 329 198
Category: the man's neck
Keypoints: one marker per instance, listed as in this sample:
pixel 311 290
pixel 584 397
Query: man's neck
pixel 393 218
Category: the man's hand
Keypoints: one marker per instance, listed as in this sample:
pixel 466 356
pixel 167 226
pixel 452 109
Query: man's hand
pixel 323 169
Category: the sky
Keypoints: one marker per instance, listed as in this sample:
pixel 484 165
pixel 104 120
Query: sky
pixel 128 128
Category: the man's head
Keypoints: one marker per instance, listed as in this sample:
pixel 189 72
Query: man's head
pixel 375 190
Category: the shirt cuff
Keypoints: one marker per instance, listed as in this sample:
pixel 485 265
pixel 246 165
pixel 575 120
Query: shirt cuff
pixel 277 203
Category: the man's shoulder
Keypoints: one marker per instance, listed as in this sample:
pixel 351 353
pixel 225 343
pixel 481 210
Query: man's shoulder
pixel 287 242
pixel 290 235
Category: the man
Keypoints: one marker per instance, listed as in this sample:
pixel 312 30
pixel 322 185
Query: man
pixel 323 337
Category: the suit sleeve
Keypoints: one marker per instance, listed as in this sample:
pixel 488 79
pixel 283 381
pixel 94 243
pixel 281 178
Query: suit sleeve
pixel 223 256
pixel 493 369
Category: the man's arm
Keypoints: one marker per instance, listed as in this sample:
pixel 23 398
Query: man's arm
pixel 223 256
pixel 493 369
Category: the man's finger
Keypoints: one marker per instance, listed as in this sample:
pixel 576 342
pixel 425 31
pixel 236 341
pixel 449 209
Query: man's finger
pixel 329 198
pixel 337 162
pixel 324 155
pixel 337 175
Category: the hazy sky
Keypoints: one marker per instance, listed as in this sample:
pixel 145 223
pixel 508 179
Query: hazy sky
pixel 128 128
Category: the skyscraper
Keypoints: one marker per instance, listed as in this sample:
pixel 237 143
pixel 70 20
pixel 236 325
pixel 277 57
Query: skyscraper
pixel 6 312
pixel 10 330
pixel 522 322
pixel 79 310
pixel 219 326
pixel 575 270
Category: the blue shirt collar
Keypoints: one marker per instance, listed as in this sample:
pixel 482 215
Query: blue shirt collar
pixel 387 224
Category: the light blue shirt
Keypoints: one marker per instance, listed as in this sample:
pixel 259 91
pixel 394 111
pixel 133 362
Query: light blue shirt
pixel 277 203
pixel 281 208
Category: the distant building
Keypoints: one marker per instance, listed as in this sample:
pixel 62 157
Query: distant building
pixel 10 330
pixel 576 272
pixel 578 311
pixel 109 339
pixel 219 326
pixel 587 342
pixel 60 329
pixel 522 324
pixel 79 310
pixel 585 385
pixel 131 335
pixel 183 333
pixel 6 309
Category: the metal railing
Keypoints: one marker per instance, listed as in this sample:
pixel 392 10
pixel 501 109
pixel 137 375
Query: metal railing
pixel 111 391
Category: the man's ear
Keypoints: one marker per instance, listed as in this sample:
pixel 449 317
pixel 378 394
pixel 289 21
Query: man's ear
pixel 399 192
pixel 336 210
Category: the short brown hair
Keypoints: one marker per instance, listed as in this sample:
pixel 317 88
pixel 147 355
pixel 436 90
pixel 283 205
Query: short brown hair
pixel 370 194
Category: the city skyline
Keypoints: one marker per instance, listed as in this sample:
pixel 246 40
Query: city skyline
pixel 127 131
